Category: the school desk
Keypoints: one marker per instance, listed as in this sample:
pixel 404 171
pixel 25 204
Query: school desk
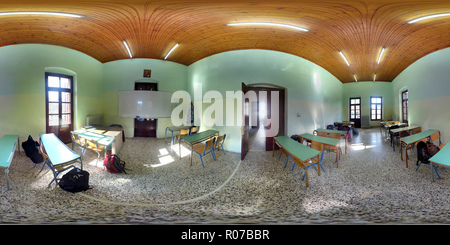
pixel 8 145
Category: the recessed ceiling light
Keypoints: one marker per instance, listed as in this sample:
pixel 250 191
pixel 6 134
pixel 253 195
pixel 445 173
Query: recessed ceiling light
pixel 354 75
pixel 428 17
pixel 128 48
pixel 343 56
pixel 174 47
pixel 374 77
pixel 269 24
pixel 41 13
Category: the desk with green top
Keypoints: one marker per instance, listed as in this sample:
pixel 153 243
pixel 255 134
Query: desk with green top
pixel 60 156
pixel 441 158
pixel 193 139
pixel 97 137
pixel 7 149
pixel 297 151
pixel 341 132
pixel 174 129
pixel 326 141
pixel 400 130
pixel 411 140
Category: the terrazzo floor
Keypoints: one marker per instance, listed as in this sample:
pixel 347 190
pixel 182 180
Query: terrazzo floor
pixel 371 186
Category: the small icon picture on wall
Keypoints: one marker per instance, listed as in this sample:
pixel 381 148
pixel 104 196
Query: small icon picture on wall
pixel 147 73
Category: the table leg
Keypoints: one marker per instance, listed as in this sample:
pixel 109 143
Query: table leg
pixel 7 181
pixel 306 176
pixel 273 148
pixel 179 149
pixel 191 155
pixel 338 155
pixel 318 163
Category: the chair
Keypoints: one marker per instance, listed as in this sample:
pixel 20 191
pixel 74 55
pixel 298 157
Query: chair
pixel 204 149
pixel 312 162
pixel 194 130
pixel 183 132
pixel 78 141
pixel 94 146
pixel 332 149
pixel 436 135
pixel 219 143
pixel 282 151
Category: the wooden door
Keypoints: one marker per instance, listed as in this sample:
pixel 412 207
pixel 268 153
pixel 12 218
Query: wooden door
pixel 246 121
pixel 281 115
pixel 59 105
pixel 144 127
pixel 355 111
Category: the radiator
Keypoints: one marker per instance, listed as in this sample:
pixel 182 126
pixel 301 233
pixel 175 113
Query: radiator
pixel 365 123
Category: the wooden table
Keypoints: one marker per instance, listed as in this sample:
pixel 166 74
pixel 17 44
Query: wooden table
pixel 400 130
pixel 99 137
pixel 60 156
pixel 7 149
pixel 409 141
pixel 341 132
pixel 299 151
pixel 193 139
pixel 174 129
pixel 441 158
pixel 326 141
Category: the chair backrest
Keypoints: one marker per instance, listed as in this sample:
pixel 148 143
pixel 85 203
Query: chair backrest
pixel 300 139
pixel 435 136
pixel 194 130
pixel 209 144
pixel 220 139
pixel 416 131
pixel 317 146
pixel 397 123
pixel 335 135
pixel 404 133
pixel 184 132
pixel 320 133
pixel 389 123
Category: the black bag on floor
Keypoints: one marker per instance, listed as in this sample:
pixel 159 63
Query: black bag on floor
pixel 75 180
pixel 31 149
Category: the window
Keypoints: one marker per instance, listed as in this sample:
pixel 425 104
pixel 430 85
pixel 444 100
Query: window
pixel 355 108
pixel 375 108
pixel 405 106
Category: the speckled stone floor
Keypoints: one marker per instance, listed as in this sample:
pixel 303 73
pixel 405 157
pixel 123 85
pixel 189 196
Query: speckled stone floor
pixel 371 186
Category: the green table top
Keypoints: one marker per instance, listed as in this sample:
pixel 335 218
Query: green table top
pixel 398 130
pixel 175 128
pixel 342 132
pixel 443 156
pixel 199 136
pixel 416 137
pixel 320 139
pixel 296 149
pixel 7 148
pixel 57 151
pixel 102 139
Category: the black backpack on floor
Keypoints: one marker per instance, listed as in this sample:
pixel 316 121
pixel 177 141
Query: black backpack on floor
pixel 75 180
pixel 31 149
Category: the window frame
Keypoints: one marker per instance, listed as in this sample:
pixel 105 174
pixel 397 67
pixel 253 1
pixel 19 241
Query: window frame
pixel 405 112
pixel 376 105
pixel 354 109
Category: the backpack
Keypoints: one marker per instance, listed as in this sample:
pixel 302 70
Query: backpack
pixel 31 149
pixel 432 148
pixel 113 164
pixel 422 153
pixel 75 180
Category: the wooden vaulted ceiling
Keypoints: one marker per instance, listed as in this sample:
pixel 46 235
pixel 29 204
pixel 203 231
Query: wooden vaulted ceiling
pixel 151 28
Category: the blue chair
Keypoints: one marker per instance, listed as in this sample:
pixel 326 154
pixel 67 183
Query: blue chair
pixel 204 149
pixel 282 151
pixel 317 146
pixel 219 143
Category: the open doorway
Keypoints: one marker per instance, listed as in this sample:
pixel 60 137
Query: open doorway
pixel 260 111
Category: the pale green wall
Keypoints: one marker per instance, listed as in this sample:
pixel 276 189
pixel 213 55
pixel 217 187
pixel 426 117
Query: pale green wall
pixel 428 84
pixel 22 86
pixel 121 76
pixel 311 91
pixel 365 90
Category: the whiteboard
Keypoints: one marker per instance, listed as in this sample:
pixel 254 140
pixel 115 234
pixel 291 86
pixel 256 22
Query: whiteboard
pixel 145 104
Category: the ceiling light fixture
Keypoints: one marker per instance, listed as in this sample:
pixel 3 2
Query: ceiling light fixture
pixel 428 17
pixel 174 47
pixel 381 54
pixel 354 75
pixel 269 24
pixel 41 13
pixel 343 56
pixel 128 48
pixel 374 77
